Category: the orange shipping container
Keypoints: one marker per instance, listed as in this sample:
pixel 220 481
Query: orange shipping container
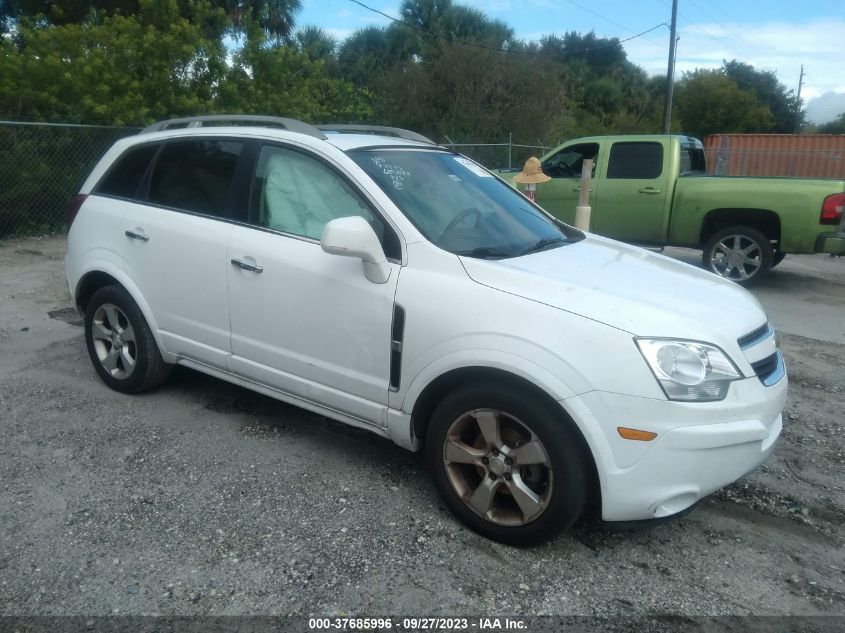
pixel 776 155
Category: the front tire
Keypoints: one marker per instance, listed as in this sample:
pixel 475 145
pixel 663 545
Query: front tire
pixel 120 343
pixel 508 465
pixel 738 253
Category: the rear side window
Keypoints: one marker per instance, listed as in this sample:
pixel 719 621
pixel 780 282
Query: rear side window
pixel 195 175
pixel 640 161
pixel 124 177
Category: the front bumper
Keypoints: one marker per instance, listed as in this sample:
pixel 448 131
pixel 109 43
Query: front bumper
pixel 700 447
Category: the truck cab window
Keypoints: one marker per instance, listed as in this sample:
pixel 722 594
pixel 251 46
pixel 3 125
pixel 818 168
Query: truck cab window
pixel 568 161
pixel 635 161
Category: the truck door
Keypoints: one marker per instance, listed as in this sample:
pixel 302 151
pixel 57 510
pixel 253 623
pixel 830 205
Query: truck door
pixel 632 203
pixel 560 195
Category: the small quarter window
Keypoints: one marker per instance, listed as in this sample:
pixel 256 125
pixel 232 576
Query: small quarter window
pixel 195 175
pixel 124 177
pixel 635 161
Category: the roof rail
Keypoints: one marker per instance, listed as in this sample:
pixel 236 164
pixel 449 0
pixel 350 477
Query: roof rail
pixel 377 129
pixel 291 125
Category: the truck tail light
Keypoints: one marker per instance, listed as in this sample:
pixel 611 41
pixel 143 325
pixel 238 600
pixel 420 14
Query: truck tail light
pixel 832 209
pixel 73 207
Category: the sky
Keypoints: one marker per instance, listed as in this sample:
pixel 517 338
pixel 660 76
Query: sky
pixel 774 35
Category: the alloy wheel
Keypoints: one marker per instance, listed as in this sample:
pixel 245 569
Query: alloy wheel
pixel 736 257
pixel 114 341
pixel 498 467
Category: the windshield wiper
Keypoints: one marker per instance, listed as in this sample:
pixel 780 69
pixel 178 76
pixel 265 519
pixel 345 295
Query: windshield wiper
pixel 542 245
pixel 486 252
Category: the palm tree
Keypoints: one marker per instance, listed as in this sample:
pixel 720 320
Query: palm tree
pixel 316 43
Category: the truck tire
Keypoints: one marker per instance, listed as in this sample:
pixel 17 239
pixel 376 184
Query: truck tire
pixel 739 253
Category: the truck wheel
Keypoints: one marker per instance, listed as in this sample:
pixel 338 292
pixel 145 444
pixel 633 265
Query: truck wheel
pixel 510 467
pixel 738 253
pixel 121 344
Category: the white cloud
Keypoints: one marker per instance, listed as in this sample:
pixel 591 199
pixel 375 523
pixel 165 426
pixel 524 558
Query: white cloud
pixel 826 107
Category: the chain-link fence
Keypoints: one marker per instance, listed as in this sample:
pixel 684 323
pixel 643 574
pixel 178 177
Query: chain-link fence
pixel 504 155
pixel 41 166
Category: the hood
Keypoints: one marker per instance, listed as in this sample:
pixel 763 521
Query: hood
pixel 628 288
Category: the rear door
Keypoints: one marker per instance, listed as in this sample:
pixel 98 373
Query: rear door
pixel 176 242
pixel 633 202
pixel 560 195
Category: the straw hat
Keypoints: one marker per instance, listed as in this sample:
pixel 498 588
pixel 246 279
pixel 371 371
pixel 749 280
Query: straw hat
pixel 532 173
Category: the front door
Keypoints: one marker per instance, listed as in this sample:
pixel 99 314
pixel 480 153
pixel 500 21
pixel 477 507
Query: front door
pixel 559 196
pixel 632 204
pixel 305 322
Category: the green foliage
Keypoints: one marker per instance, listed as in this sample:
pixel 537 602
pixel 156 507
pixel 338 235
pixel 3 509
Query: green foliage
pixel 472 93
pixel 285 82
pixel 837 126
pixel 770 92
pixel 121 70
pixel 711 102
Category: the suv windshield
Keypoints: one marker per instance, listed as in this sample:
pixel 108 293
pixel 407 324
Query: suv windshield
pixel 459 206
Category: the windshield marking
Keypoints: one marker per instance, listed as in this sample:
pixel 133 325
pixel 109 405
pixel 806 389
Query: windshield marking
pixel 396 173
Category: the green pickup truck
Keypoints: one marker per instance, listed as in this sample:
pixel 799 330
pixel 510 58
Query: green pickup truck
pixel 653 190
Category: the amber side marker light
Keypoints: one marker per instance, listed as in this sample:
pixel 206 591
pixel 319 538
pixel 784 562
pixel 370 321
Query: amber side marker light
pixel 636 434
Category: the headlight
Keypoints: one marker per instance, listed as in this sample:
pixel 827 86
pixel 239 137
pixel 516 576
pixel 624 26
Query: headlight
pixel 688 370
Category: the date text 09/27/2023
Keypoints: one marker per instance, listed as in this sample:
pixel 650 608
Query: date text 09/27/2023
pixel 417 624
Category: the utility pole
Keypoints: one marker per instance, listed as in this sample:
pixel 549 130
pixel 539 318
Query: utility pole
pixel 670 73
pixel 798 101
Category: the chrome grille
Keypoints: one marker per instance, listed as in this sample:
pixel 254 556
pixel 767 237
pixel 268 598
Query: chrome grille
pixel 760 349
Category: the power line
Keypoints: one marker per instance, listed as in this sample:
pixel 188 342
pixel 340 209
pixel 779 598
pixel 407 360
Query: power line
pixel 607 19
pixel 496 48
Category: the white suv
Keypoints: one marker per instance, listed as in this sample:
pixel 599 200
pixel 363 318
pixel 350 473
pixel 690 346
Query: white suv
pixel 379 279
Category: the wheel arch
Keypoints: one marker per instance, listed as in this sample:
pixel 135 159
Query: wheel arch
pixel 436 389
pixel 98 277
pixel 764 220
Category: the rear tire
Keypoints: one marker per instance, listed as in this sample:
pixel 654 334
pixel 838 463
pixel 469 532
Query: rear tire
pixel 738 253
pixel 120 343
pixel 508 465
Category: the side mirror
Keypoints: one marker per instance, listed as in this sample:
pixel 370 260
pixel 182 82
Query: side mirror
pixel 354 237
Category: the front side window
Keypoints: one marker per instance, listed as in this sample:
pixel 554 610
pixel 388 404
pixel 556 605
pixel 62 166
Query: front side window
pixel 124 177
pixel 459 206
pixel 567 162
pixel 195 175
pixel 635 161
pixel 297 194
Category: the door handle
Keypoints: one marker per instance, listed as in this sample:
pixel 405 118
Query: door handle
pixel 578 189
pixel 137 234
pixel 253 268
pixel 650 190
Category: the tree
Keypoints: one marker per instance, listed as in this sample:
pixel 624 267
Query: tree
pixel 786 114
pixel 710 102
pixel 316 43
pixel 271 21
pixel 837 126
pixel 124 70
pixel 283 81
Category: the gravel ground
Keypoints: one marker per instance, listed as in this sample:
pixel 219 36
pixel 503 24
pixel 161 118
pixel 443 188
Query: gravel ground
pixel 203 498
